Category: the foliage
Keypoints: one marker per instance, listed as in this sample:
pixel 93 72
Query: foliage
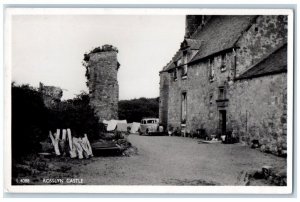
pixel 136 109
pixel 32 120
pixel 79 116
pixel 29 119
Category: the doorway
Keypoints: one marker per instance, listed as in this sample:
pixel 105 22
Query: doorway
pixel 222 121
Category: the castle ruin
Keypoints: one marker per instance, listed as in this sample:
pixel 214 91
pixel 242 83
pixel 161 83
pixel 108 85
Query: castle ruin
pixel 51 95
pixel 101 71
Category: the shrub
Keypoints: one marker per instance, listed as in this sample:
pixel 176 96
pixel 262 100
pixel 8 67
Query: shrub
pixel 32 120
pixel 29 119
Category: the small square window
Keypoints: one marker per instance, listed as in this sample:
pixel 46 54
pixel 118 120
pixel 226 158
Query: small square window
pixel 222 93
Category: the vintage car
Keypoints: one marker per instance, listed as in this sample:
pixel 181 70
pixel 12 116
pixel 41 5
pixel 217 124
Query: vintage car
pixel 150 126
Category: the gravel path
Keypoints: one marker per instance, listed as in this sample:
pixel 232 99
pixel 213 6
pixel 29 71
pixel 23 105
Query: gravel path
pixel 164 160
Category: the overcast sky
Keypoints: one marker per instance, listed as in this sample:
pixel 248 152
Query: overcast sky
pixel 50 49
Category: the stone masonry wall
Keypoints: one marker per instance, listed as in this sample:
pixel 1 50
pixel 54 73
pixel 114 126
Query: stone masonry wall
pixel 51 95
pixel 164 98
pixel 263 99
pixel 201 94
pixel 257 110
pixel 103 83
pixel 263 37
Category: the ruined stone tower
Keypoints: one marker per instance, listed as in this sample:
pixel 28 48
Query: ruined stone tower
pixel 102 69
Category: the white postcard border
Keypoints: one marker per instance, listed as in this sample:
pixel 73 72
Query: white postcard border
pixel 9 12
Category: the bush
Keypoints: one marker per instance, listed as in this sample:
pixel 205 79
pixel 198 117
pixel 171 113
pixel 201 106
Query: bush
pixel 79 116
pixel 32 120
pixel 29 119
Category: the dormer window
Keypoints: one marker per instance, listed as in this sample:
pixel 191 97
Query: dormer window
pixel 184 72
pixel 223 63
pixel 184 67
pixel 179 62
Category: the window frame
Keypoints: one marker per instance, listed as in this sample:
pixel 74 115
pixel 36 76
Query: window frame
pixel 211 70
pixel 223 66
pixel 222 96
pixel 184 113
pixel 211 97
pixel 184 65
pixel 175 74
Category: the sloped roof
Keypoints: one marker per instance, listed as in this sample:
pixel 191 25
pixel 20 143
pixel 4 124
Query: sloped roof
pixel 177 56
pixel 171 64
pixel 220 33
pixel 193 44
pixel 168 66
pixel 276 62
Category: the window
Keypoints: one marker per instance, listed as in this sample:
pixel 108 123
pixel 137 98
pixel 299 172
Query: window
pixel 175 74
pixel 151 121
pixel 184 68
pixel 179 62
pixel 223 63
pixel 222 93
pixel 211 99
pixel 183 107
pixel 211 70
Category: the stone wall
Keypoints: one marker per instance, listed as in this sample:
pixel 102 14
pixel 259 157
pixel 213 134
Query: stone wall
pixel 163 98
pixel 51 95
pixel 257 110
pixel 262 38
pixel 194 22
pixel 102 82
pixel 201 94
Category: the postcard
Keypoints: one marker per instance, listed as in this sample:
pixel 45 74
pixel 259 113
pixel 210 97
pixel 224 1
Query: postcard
pixel 101 100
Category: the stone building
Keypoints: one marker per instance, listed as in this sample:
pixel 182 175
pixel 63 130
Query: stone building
pixel 101 71
pixel 51 95
pixel 229 75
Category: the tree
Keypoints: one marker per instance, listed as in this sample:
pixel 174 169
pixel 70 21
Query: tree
pixel 29 119
pixel 136 109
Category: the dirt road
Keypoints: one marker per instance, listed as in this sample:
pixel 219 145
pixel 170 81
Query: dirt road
pixel 164 160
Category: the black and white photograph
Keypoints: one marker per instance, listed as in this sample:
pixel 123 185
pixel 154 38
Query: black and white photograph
pixel 148 100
